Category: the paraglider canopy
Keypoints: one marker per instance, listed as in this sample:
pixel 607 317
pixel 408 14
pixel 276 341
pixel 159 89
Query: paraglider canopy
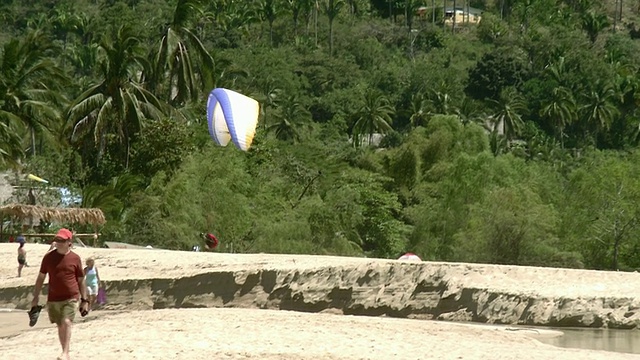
pixel 410 257
pixel 232 117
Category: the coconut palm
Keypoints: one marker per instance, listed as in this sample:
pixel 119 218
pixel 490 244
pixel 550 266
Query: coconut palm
pixel 291 118
pixel 64 22
pixel 176 72
pixel 598 110
pixel 298 8
pixel 418 113
pixel 269 97
pixel 28 84
pixel 508 111
pixel 269 11
pixel 10 142
pixel 439 101
pixel 470 111
pixel 560 110
pixel 332 9
pixel 373 116
pixel 593 23
pixel 118 104
pixel 557 71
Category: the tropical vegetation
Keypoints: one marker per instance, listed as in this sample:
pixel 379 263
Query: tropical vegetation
pixel 384 128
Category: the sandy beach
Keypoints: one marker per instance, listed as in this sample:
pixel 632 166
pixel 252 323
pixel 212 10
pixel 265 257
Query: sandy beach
pixel 266 334
pixel 250 333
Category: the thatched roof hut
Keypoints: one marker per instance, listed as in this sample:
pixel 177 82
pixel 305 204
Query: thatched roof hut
pixel 81 216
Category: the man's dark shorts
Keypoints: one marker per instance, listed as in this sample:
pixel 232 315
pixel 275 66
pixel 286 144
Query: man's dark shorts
pixel 60 310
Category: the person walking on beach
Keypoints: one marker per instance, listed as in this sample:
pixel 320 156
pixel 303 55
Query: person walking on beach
pixel 22 255
pixel 92 279
pixel 66 287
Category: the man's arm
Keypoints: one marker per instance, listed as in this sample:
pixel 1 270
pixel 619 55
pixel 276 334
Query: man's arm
pixel 80 278
pixel 83 287
pixel 38 288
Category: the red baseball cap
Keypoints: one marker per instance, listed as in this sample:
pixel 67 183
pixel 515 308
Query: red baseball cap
pixel 64 234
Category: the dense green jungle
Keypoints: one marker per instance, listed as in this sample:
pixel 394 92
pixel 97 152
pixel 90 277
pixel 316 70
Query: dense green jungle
pixel 385 126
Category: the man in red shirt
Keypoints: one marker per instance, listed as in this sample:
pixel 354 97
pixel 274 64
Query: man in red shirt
pixel 66 287
pixel 210 241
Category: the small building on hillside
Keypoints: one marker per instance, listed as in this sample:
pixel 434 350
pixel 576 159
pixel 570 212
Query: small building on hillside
pixel 462 15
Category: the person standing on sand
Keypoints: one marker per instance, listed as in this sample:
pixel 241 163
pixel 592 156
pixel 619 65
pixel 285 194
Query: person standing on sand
pixel 66 287
pixel 92 279
pixel 22 255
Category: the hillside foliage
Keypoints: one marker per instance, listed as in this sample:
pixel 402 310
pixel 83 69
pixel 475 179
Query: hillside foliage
pixel 382 131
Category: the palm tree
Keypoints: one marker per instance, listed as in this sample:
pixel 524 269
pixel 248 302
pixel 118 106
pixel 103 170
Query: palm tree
pixel 118 104
pixel 439 101
pixel 373 116
pixel 453 27
pixel 65 22
pixel 175 66
pixel 557 71
pixel 269 12
pixel 268 95
pixel 353 7
pixel 28 84
pixel 234 15
pixel 299 8
pixel 560 110
pixel 295 7
pixel 593 24
pixel 470 111
pixel 507 112
pixel 410 10
pixel 292 117
pixel 598 110
pixel 114 198
pixel 332 9
pixel 10 142
pixel 418 113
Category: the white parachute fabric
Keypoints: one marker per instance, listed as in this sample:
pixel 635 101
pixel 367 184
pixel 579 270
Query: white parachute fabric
pixel 217 125
pixel 232 117
pixel 410 257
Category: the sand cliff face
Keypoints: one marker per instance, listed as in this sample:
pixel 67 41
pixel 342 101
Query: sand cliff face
pixel 445 291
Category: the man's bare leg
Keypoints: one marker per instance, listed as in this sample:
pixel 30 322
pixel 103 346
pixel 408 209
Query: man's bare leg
pixel 64 334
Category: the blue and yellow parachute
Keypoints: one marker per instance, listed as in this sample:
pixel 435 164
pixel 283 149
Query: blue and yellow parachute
pixel 232 117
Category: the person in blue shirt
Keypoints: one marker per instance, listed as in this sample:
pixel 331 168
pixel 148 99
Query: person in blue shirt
pixel 92 279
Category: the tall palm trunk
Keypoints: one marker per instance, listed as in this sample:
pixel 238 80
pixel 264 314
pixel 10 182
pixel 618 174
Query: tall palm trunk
pixel 433 11
pixel 444 14
pixel 33 141
pixel 315 15
pixel 615 16
pixel 468 11
pixel 455 15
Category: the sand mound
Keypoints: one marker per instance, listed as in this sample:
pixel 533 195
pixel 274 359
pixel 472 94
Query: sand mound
pixel 155 279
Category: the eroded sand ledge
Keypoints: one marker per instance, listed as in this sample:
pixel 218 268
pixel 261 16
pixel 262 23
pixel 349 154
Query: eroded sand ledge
pixel 156 279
